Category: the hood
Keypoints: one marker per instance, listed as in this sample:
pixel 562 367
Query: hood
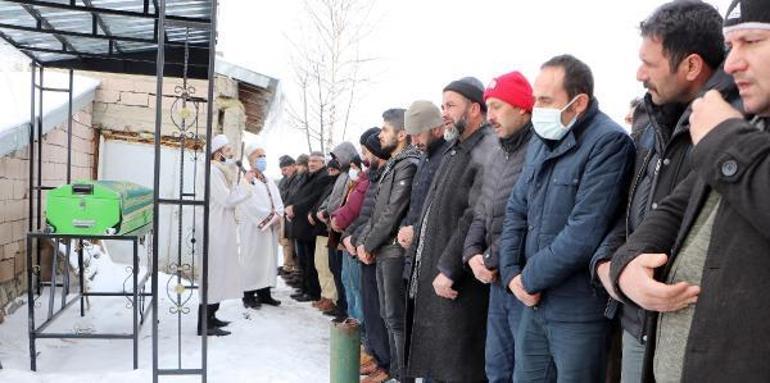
pixel 344 153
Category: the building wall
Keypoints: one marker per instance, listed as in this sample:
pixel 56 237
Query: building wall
pixel 14 194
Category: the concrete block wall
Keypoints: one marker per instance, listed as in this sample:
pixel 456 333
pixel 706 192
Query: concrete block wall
pixel 127 102
pixel 15 194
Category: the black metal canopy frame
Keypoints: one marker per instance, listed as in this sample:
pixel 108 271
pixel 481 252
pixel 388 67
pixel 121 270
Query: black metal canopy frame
pixel 164 38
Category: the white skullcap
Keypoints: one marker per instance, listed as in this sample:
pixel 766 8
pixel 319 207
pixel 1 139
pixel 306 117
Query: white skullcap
pixel 253 145
pixel 218 142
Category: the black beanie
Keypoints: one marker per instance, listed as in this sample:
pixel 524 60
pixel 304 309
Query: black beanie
pixel 745 14
pixel 367 133
pixel 471 88
pixel 285 161
pixel 372 143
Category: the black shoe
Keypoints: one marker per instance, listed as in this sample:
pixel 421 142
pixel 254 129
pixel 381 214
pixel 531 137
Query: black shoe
pixel 265 298
pixel 296 295
pixel 216 322
pixel 215 331
pixel 305 298
pixel 251 302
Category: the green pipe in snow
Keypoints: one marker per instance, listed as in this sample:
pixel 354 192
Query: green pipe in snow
pixel 345 351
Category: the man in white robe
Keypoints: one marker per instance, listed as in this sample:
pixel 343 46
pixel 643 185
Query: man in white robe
pixel 260 224
pixel 223 263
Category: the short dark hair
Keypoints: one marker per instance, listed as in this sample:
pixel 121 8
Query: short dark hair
pixel 687 27
pixel 577 75
pixel 635 102
pixel 394 117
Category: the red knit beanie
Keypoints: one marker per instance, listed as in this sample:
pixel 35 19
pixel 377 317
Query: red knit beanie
pixel 513 88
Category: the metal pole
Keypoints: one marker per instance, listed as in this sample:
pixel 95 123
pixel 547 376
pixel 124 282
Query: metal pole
pixel 82 275
pixel 31 308
pixel 135 303
pixel 39 176
pixel 204 288
pixel 160 63
pixel 52 288
pixel 69 127
pixel 31 148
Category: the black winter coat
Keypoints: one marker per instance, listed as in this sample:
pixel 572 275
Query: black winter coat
pixel 448 336
pixel 662 162
pixel 391 202
pixel 307 197
pixel 728 339
pixel 429 163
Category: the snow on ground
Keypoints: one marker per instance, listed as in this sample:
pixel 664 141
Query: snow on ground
pixel 289 343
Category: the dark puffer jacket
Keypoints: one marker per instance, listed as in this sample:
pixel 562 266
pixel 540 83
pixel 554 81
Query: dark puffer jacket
pixel 502 173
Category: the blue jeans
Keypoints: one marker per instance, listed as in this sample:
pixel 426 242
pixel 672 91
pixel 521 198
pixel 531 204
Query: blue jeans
pixel 351 279
pixel 577 350
pixel 502 323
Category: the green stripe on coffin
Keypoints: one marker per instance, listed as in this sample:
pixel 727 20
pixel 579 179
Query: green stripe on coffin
pixel 98 208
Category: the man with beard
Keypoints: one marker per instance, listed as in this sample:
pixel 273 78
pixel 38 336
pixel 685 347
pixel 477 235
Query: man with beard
pixel 427 134
pixel 378 242
pixel 376 340
pixel 445 341
pixel 509 111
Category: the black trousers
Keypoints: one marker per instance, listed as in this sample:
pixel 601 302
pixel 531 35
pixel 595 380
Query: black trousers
pixel 306 254
pixel 335 265
pixel 377 340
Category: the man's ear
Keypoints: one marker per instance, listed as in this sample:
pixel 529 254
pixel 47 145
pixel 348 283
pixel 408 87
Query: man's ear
pixel 693 66
pixel 581 104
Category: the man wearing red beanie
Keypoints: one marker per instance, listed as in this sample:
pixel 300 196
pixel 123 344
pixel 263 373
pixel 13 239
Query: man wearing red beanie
pixel 509 106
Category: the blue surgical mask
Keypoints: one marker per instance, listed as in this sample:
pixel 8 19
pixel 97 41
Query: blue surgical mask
pixel 260 164
pixel 547 122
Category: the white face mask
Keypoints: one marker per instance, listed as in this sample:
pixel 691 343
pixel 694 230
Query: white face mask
pixel 229 161
pixel 353 174
pixel 547 122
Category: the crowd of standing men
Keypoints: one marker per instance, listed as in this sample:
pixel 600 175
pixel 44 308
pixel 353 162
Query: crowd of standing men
pixel 517 233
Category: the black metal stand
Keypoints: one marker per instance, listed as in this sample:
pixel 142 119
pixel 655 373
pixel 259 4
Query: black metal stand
pixel 137 296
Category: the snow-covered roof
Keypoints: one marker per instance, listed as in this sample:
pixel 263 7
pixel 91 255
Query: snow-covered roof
pixel 15 104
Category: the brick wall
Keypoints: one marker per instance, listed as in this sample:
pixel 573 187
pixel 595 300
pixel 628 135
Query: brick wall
pixel 14 193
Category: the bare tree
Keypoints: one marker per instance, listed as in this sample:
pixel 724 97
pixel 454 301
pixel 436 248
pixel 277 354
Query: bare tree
pixel 328 68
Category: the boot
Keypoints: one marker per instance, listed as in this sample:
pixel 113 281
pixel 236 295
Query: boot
pixel 250 301
pixel 265 297
pixel 212 329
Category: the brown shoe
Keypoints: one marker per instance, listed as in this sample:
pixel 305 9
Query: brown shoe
pixel 366 358
pixel 326 305
pixel 378 376
pixel 368 368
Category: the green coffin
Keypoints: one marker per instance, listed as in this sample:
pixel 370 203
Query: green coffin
pixel 98 208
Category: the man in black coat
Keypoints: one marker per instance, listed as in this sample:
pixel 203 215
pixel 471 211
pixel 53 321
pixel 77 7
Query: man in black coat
pixel 446 337
pixel 378 242
pixel 298 208
pixel 376 340
pixel 700 260
pixel 509 111
pixel 427 134
pixel 675 36
pixel 290 177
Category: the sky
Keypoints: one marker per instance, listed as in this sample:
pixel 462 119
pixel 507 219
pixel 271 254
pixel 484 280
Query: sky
pixel 423 45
